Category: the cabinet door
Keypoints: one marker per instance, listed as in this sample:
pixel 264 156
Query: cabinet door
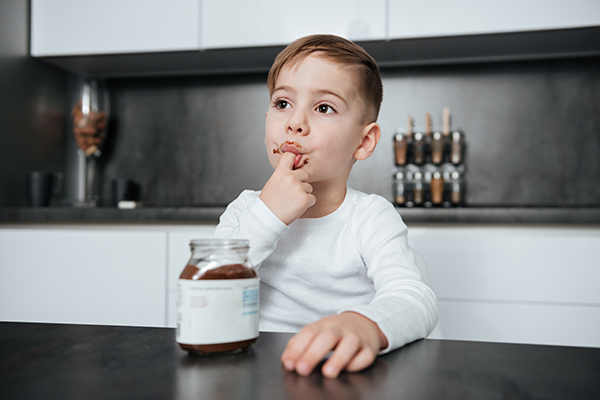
pixel 108 277
pixel 426 18
pixel 179 254
pixel 230 23
pixel 75 27
pixel 524 285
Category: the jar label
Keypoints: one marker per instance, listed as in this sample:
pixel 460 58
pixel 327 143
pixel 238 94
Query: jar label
pixel 211 311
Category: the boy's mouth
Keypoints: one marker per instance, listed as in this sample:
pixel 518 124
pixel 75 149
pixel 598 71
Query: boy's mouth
pixel 292 147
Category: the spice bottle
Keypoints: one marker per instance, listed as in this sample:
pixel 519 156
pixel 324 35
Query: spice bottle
pixel 399 198
pixel 418 189
pixel 217 298
pixel 437 148
pixel 437 188
pixel 427 189
pixel 456 151
pixel 456 196
pixel 409 199
pixel 400 148
pixel 418 148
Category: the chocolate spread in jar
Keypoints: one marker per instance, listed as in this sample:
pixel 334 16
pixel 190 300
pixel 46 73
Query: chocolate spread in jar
pixel 232 271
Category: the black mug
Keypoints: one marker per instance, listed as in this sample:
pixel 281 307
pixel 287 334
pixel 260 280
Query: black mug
pixel 41 186
pixel 124 189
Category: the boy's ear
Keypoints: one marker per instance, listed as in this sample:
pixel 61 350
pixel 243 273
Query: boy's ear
pixel 370 136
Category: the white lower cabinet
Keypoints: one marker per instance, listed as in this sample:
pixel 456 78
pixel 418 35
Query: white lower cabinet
pixel 493 283
pixel 549 323
pixel 507 284
pixel 83 276
pixel 179 254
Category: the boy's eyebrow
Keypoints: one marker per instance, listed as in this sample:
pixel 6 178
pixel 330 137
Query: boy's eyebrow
pixel 325 91
pixel 319 91
pixel 284 87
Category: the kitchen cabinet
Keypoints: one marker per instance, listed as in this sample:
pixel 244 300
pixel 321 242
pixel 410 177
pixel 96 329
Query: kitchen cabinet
pixel 420 19
pixel 84 276
pixel 74 27
pixel 522 285
pixel 178 248
pixel 234 23
pixel 133 38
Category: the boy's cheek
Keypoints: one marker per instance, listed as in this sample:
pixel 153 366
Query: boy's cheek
pixel 273 158
pixel 272 151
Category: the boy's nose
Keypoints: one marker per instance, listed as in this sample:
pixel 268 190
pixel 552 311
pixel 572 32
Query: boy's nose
pixel 297 125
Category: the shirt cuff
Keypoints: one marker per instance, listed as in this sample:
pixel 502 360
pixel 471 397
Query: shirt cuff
pixel 262 228
pixel 367 312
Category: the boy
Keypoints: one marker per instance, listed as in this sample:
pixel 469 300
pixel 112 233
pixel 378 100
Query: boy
pixel 334 263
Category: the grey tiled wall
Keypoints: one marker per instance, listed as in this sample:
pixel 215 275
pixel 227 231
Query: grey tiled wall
pixel 532 129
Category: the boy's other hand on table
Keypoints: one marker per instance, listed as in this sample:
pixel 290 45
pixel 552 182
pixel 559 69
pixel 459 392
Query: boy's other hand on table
pixel 354 339
pixel 286 193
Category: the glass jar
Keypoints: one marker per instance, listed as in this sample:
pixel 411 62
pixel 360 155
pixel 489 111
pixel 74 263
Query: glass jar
pixel 90 119
pixel 217 298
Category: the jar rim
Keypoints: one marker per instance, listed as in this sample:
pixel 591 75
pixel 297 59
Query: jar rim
pixel 222 243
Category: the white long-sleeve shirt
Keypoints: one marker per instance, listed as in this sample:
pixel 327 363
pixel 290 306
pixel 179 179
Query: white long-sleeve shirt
pixel 354 259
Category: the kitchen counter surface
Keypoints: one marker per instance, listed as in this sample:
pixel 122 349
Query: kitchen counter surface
pixel 503 215
pixel 106 362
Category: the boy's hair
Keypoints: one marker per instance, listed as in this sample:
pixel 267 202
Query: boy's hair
pixel 341 51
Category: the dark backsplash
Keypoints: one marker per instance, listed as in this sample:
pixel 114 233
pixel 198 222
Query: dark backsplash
pixel 532 130
pixel 32 108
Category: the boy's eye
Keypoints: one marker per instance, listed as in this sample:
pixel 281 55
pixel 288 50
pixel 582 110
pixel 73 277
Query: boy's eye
pixel 325 109
pixel 281 104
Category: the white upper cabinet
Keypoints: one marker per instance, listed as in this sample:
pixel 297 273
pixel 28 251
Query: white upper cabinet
pixel 96 27
pixel 231 23
pixel 81 27
pixel 428 18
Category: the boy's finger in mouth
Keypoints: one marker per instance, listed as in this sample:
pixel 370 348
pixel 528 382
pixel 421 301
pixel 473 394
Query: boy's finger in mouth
pixel 290 147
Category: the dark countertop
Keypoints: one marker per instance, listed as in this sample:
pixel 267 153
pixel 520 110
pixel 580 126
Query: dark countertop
pixel 502 215
pixel 102 362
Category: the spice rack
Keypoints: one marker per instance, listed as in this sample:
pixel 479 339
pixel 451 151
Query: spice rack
pixel 429 165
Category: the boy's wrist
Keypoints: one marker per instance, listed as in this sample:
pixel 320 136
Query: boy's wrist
pixel 382 339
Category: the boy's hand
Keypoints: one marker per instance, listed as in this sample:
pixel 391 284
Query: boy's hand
pixel 354 339
pixel 287 193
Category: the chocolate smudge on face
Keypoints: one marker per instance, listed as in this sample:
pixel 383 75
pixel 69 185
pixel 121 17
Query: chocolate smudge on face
pixel 293 144
pixel 276 151
pixel 290 143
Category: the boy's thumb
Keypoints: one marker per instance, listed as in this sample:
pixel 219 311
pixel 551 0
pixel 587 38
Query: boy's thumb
pixel 287 160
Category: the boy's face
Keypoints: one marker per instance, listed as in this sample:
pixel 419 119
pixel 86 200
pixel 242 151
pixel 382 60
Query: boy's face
pixel 316 112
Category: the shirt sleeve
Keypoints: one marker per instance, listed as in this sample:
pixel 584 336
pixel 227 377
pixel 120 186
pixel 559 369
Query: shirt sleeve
pixel 247 217
pixel 404 308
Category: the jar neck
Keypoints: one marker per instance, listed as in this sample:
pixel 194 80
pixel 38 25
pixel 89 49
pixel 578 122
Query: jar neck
pixel 234 249
pixel 237 254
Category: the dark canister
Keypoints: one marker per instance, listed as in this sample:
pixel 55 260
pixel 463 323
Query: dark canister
pixel 40 186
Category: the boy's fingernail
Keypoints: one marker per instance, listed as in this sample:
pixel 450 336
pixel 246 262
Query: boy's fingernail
pixel 289 365
pixel 302 368
pixel 330 371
